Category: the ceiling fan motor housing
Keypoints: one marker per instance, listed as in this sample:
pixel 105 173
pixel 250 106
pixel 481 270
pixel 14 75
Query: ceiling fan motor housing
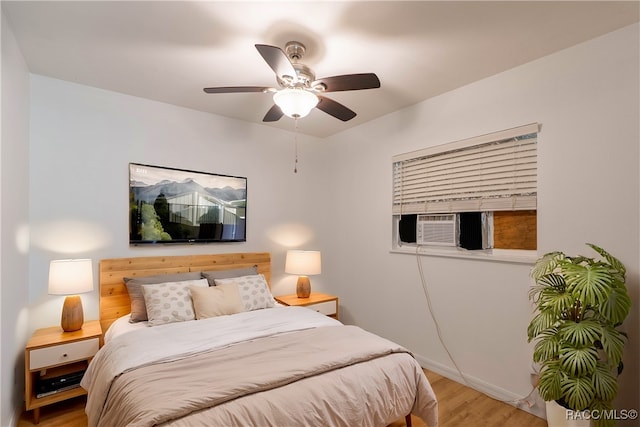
pixel 295 51
pixel 304 75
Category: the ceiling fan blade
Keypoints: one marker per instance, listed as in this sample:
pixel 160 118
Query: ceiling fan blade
pixel 335 109
pixel 235 89
pixel 273 115
pixel 277 60
pixel 349 82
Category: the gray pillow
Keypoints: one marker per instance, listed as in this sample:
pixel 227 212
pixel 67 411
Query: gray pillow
pixel 211 276
pixel 134 286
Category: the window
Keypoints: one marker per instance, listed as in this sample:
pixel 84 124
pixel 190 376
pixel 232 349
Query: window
pixel 480 192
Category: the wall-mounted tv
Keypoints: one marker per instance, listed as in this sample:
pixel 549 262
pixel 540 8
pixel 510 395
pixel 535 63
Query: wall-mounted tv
pixel 168 205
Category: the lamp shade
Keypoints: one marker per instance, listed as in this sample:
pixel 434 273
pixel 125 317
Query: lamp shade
pixel 305 263
pixel 295 103
pixel 70 276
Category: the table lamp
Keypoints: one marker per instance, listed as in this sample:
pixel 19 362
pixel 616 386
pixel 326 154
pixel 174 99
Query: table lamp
pixel 304 264
pixel 71 277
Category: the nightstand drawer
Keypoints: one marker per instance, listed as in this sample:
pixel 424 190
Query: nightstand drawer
pixel 327 308
pixel 322 303
pixel 63 353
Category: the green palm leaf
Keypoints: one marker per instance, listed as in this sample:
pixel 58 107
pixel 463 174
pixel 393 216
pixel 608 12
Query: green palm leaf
pixel 580 334
pixel 533 293
pixel 547 347
pixel 546 264
pixel 604 383
pixel 612 344
pixel 550 383
pixel 578 361
pixel 557 301
pixel 616 308
pixel 541 322
pixel 553 281
pixel 613 261
pixel 590 283
pixel 578 392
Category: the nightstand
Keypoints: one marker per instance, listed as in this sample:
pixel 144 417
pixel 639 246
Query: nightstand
pixel 53 356
pixel 322 303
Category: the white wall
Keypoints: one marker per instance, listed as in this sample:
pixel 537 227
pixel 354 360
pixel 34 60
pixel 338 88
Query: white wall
pixel 586 99
pixel 14 189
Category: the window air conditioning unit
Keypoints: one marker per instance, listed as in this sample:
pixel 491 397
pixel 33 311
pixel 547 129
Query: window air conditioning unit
pixel 437 230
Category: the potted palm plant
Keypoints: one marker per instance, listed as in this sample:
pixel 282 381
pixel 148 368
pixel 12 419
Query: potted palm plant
pixel 580 304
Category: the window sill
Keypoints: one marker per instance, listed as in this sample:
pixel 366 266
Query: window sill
pixel 496 255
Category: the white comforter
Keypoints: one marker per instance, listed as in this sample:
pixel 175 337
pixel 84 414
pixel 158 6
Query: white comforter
pixel 179 340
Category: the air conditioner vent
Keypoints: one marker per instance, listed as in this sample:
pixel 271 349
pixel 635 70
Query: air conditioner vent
pixel 437 230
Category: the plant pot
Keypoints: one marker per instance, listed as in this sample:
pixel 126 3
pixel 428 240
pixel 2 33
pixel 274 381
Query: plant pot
pixel 559 416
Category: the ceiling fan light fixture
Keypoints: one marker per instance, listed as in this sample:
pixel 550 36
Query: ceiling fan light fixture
pixel 294 102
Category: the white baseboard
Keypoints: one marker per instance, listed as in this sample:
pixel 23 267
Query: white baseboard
pixel 15 417
pixel 536 406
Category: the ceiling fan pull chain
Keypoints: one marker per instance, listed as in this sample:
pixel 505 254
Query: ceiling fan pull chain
pixel 295 140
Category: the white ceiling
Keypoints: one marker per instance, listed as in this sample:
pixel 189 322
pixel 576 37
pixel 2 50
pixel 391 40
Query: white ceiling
pixel 170 51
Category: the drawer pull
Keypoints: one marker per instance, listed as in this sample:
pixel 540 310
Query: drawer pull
pixel 65 355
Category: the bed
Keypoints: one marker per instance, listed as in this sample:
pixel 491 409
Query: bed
pixel 232 356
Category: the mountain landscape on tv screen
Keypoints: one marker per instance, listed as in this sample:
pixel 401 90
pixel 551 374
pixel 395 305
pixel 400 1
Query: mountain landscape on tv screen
pixel 148 193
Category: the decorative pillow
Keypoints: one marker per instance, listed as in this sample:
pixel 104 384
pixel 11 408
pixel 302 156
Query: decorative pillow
pixel 254 291
pixel 134 286
pixel 170 302
pixel 211 276
pixel 216 300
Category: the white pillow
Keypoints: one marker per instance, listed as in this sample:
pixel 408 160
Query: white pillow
pixel 170 301
pixel 254 291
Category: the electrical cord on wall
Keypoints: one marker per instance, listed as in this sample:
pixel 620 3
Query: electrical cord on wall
pixel 526 399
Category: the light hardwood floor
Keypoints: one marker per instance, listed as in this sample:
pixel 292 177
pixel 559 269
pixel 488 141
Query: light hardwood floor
pixel 458 406
pixel 461 406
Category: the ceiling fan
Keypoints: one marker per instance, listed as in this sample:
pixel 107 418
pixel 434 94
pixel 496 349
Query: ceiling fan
pixel 298 91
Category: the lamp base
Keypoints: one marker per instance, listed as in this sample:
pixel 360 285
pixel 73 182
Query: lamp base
pixel 72 314
pixel 303 287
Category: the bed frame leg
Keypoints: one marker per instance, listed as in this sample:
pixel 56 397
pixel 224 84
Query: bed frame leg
pixel 407 420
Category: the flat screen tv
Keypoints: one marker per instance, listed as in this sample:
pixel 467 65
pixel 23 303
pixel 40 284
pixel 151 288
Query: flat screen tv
pixel 168 205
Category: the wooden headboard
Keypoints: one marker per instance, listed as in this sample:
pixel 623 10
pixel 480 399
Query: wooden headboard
pixel 114 298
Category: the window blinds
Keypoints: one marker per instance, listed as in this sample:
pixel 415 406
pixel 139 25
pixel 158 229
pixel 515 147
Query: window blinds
pixel 491 172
